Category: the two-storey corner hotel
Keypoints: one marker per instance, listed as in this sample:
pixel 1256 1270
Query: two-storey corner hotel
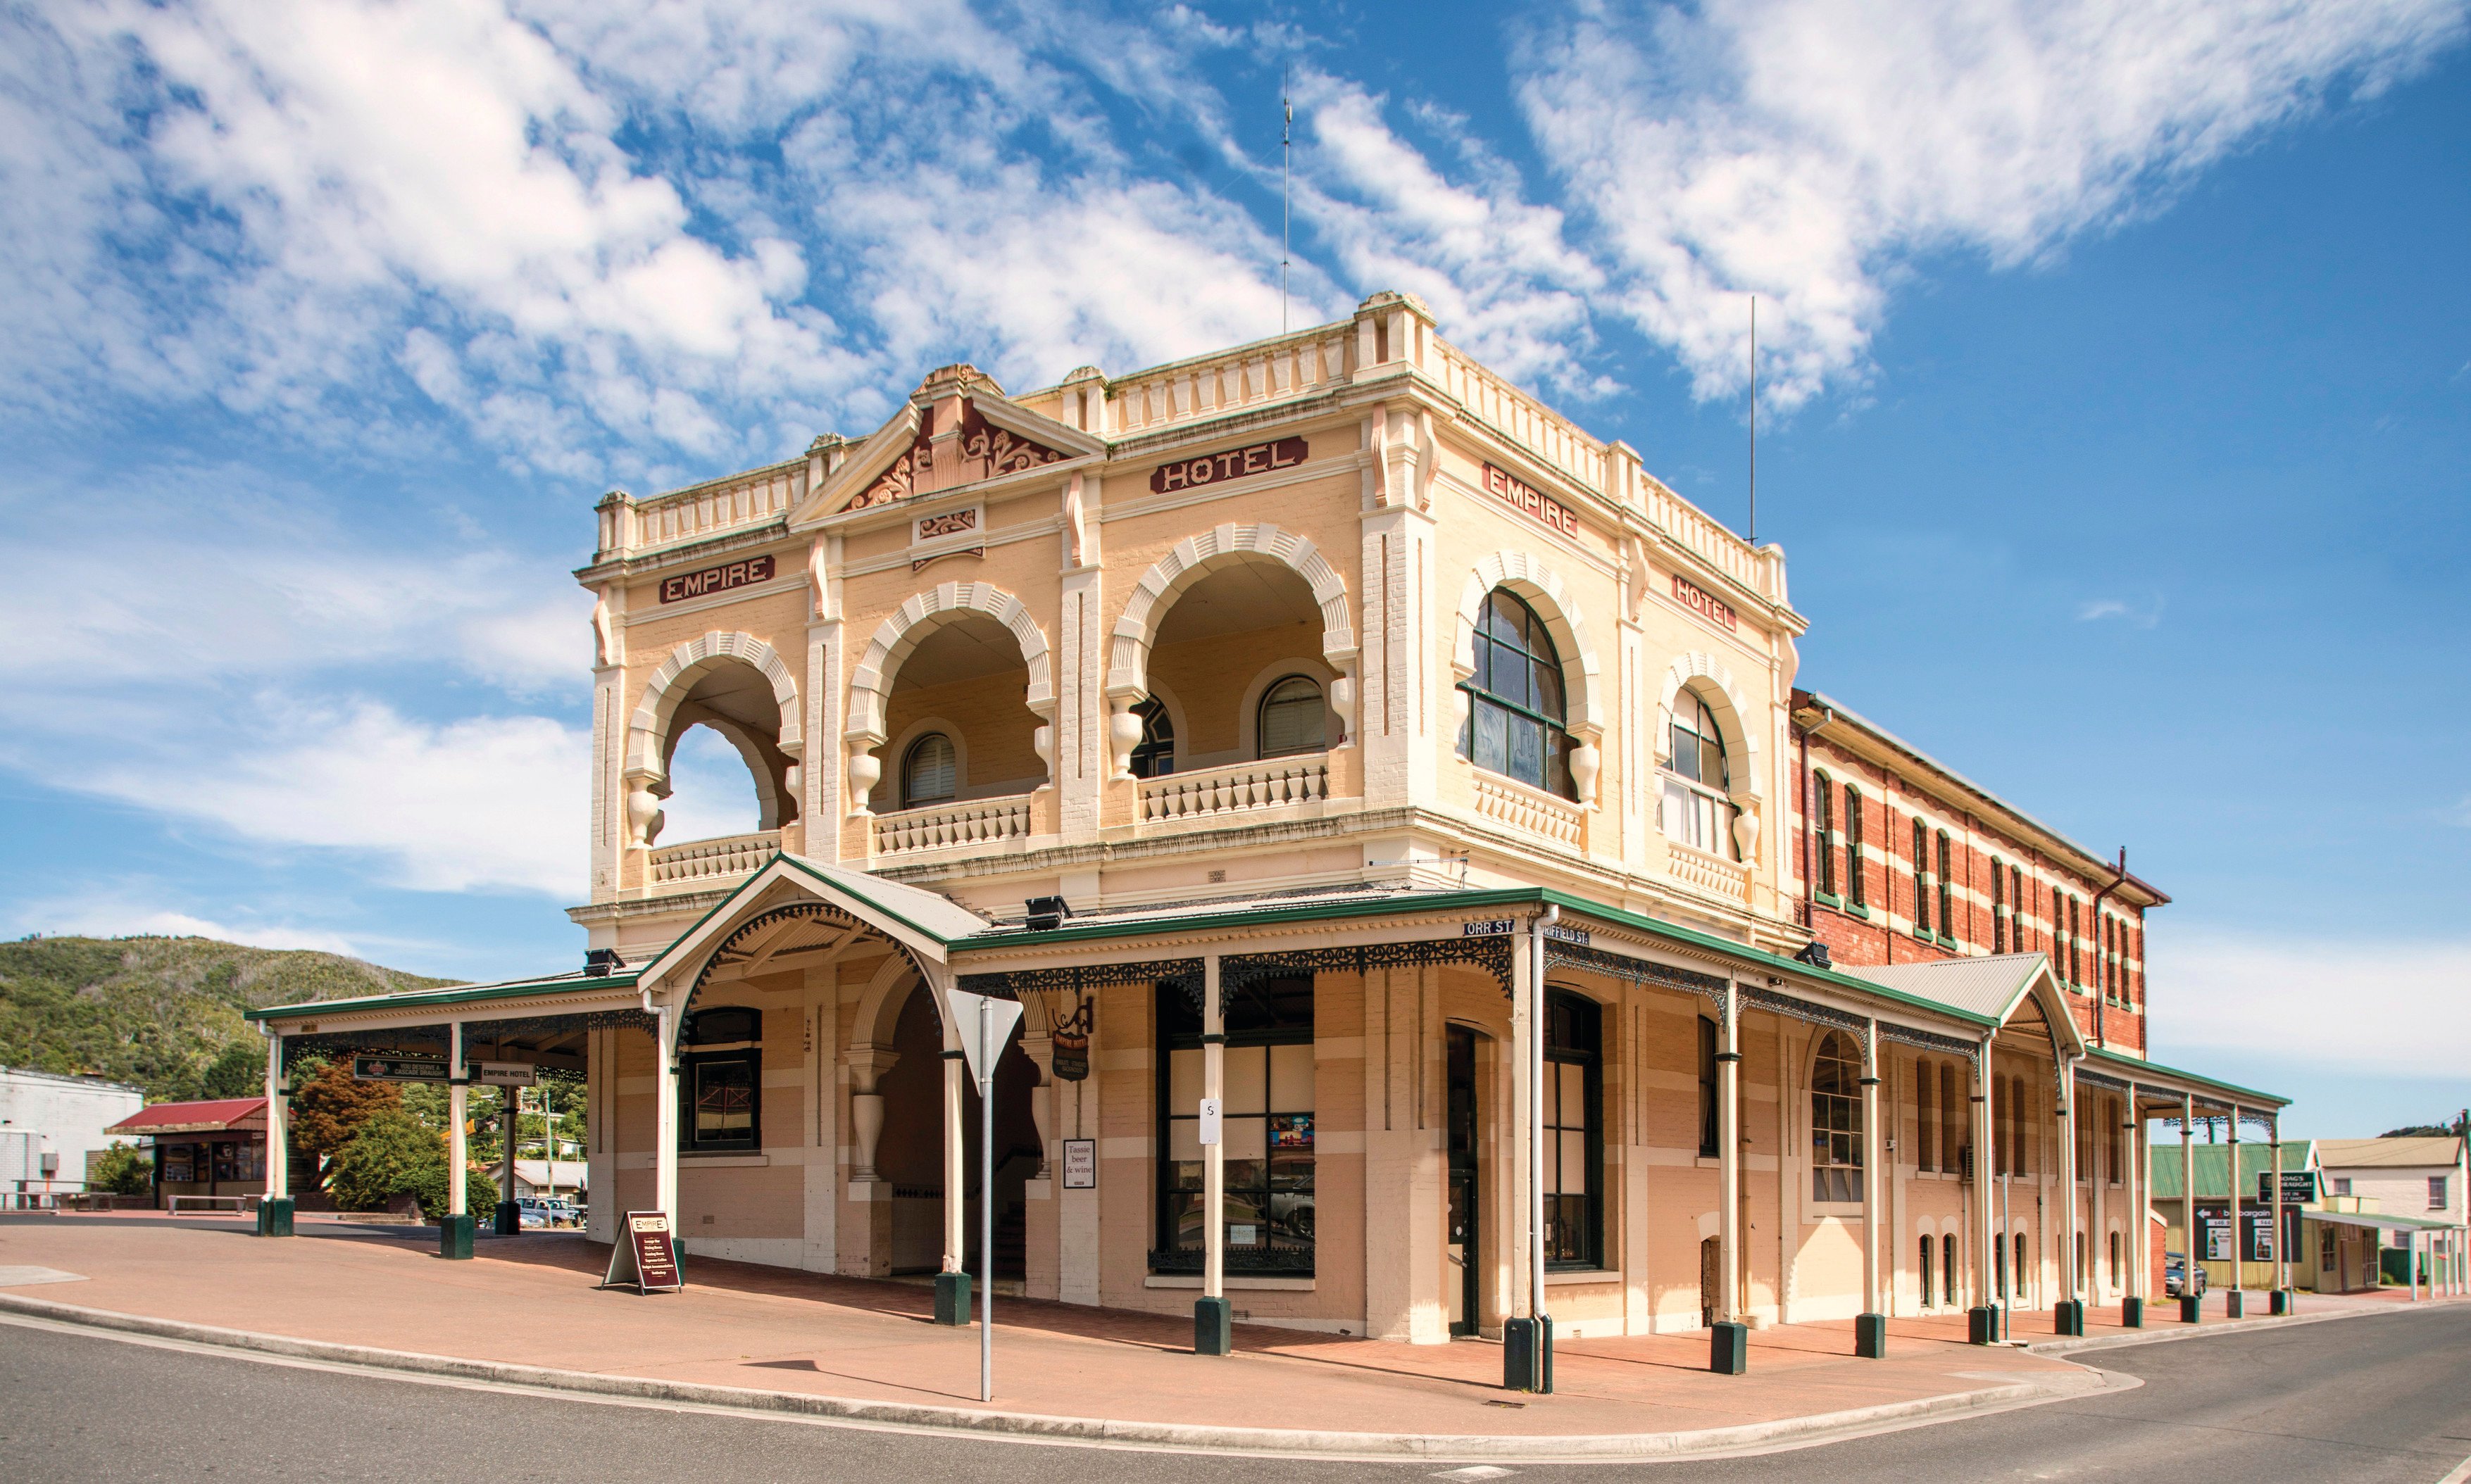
pixel 1329 729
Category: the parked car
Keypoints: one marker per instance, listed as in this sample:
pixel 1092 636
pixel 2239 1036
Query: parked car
pixel 2173 1271
pixel 544 1211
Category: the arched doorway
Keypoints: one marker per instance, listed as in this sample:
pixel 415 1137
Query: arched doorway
pixel 909 1155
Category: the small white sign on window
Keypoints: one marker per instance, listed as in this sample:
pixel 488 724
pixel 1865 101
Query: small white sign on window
pixel 1243 1233
pixel 1080 1164
pixel 1208 1121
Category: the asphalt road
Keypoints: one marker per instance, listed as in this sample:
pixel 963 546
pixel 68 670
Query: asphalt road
pixel 2362 1401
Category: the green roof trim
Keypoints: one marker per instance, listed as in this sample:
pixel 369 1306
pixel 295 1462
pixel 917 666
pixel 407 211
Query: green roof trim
pixel 2249 1097
pixel 443 994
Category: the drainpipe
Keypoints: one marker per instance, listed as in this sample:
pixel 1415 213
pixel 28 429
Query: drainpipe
pixel 2101 1000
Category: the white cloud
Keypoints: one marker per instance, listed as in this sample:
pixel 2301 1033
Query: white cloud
pixel 2142 615
pixel 478 804
pixel 1809 150
pixel 2363 1004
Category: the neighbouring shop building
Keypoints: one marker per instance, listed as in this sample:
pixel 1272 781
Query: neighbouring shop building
pixel 1329 726
pixel 2413 1188
pixel 212 1147
pixel 52 1128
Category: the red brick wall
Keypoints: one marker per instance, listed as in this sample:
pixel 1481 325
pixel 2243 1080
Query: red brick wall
pixel 1885 935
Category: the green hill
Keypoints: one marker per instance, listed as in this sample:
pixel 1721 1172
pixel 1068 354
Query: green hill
pixel 157 1011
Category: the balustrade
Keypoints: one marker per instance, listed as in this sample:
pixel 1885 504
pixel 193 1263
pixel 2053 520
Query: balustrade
pixel 1253 375
pixel 702 510
pixel 941 827
pixel 1237 787
pixel 1712 874
pixel 1528 809
pixel 697 861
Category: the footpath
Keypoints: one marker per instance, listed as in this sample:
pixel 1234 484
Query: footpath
pixel 526 1311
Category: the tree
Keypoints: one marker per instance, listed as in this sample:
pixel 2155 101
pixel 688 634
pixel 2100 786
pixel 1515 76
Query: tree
pixel 392 1154
pixel 2453 1130
pixel 331 1107
pixel 122 1170
pixel 240 1071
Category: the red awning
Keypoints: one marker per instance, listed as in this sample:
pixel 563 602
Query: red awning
pixel 219 1115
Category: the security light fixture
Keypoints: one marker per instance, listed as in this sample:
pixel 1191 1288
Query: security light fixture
pixel 1047 913
pixel 600 963
pixel 1814 954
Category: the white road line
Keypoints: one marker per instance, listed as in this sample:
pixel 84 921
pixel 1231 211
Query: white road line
pixel 1474 1473
pixel 2459 1473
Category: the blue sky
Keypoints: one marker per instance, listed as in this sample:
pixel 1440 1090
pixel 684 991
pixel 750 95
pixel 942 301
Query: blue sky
pixel 2117 373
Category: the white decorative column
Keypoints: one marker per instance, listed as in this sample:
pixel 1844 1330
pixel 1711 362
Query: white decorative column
pixel 665 1121
pixel 866 1066
pixel 279 1122
pixel 956 1152
pixel 2189 1303
pixel 1985 1161
pixel 1729 1172
pixel 457 1148
pixel 1213 1154
pixel 1870 1326
pixel 2070 1280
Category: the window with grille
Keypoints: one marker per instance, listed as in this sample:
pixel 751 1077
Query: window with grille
pixel 1836 1120
pixel 1573 1132
pixel 1515 724
pixel 931 772
pixel 1292 717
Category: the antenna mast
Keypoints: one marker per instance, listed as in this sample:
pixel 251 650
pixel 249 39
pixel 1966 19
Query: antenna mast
pixel 1287 154
pixel 1754 421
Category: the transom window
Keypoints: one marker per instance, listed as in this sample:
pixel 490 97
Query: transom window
pixel 1515 724
pixel 1695 811
pixel 1292 717
pixel 1154 755
pixel 1836 1120
pixel 1573 1131
pixel 931 772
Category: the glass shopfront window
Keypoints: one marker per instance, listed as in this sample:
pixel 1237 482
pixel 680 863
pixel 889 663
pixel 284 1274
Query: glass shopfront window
pixel 721 1081
pixel 1267 1123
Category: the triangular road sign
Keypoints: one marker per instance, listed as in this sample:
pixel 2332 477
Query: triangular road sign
pixel 1000 1016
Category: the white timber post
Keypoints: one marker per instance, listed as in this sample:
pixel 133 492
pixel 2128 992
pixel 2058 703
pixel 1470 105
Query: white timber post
pixel 956 1198
pixel 2071 1281
pixel 458 1100
pixel 664 1115
pixel 1870 1329
pixel 2188 1200
pixel 278 1121
pixel 1728 1156
pixel 2238 1246
pixel 1213 1154
pixel 1986 1159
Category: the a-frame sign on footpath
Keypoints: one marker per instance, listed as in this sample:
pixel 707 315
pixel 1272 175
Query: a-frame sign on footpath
pixel 645 1256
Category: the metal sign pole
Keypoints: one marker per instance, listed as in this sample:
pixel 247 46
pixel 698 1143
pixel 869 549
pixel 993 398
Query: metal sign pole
pixel 987 1202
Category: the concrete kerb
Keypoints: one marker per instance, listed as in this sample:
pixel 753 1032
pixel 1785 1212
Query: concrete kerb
pixel 2217 1327
pixel 1090 1431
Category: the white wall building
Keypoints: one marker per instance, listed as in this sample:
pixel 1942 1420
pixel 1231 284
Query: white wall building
pixel 50 1124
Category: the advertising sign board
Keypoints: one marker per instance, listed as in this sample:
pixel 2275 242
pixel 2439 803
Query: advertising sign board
pixel 399 1069
pixel 1080 1164
pixel 645 1256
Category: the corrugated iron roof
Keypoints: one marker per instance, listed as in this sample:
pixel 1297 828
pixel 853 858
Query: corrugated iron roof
pixel 214 1115
pixel 2390 1153
pixel 1979 987
pixel 2212 1159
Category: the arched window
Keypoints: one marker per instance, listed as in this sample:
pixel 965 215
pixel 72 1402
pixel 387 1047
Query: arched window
pixel 1928 1297
pixel 1154 755
pixel 2024 1272
pixel 931 772
pixel 1291 719
pixel 1947 1265
pixel 1695 811
pixel 1515 716
pixel 1836 1120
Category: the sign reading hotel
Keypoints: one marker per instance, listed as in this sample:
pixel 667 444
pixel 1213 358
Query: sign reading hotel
pixel 1521 496
pixel 1705 604
pixel 1233 464
pixel 717 579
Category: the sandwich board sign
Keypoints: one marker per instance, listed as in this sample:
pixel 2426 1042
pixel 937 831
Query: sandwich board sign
pixel 646 1255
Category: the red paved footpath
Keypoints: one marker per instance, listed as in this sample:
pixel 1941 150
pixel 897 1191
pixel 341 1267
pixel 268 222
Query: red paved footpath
pixel 533 1301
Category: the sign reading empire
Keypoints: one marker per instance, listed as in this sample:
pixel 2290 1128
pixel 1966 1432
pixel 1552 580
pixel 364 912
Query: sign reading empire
pixel 717 579
pixel 1233 464
pixel 1511 490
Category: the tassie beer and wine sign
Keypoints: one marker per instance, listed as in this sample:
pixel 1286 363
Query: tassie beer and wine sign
pixel 1521 496
pixel 1233 464
pixel 645 1256
pixel 717 579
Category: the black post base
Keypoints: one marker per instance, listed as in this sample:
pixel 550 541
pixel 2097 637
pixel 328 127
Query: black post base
pixel 274 1217
pixel 454 1236
pixel 1982 1325
pixel 2192 1308
pixel 953 1298
pixel 1213 1327
pixel 1728 1348
pixel 2235 1304
pixel 2284 1301
pixel 2131 1314
pixel 1527 1354
pixel 510 1218
pixel 2067 1317
pixel 1870 1336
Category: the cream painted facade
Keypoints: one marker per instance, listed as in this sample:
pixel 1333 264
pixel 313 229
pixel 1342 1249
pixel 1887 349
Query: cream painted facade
pixel 1051 582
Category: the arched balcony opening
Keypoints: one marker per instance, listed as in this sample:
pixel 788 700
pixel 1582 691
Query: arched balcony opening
pixel 961 752
pixel 723 787
pixel 1240 715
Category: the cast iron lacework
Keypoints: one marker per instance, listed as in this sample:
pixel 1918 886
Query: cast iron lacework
pixel 1636 971
pixel 407 1041
pixel 826 911
pixel 2097 1079
pixel 1181 975
pixel 1490 954
pixel 557 1025
pixel 1804 1009
pixel 1930 1040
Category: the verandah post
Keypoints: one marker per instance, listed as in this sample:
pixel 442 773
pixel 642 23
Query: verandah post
pixel 1871 1326
pixel 455 1231
pixel 274 1208
pixel 1212 1317
pixel 1729 1338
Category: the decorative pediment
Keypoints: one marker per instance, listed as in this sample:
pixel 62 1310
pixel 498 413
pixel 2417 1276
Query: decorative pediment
pixel 959 429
